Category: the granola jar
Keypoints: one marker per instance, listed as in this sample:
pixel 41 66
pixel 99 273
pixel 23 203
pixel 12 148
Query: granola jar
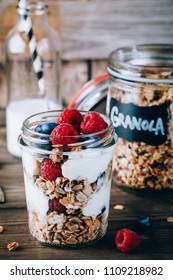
pixel 140 105
pixel 72 209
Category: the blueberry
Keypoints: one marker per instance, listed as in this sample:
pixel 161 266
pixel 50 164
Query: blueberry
pixel 45 128
pixel 100 179
pixel 103 209
pixel 144 224
pixel 47 146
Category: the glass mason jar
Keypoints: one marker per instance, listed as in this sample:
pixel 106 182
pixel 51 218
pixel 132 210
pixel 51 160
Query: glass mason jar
pixel 72 209
pixel 24 98
pixel 140 105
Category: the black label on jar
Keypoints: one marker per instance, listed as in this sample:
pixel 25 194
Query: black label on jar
pixel 141 124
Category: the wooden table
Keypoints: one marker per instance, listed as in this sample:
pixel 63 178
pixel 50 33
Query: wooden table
pixel 13 217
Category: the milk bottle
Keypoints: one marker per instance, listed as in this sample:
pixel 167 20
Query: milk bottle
pixel 24 98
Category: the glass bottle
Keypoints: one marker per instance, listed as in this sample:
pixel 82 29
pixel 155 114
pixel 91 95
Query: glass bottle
pixel 23 92
pixel 140 104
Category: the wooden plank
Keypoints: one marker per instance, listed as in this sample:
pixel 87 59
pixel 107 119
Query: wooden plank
pixel 157 246
pixel 74 76
pixel 102 26
pixel 2 118
pixel 12 185
pixel 98 68
pixel 92 29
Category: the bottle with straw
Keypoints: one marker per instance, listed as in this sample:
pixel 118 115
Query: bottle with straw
pixel 33 69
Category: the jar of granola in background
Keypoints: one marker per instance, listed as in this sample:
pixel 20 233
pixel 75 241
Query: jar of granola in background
pixel 140 105
pixel 68 185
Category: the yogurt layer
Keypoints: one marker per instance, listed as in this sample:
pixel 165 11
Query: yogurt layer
pixel 36 201
pixel 29 164
pixel 86 165
pixel 99 202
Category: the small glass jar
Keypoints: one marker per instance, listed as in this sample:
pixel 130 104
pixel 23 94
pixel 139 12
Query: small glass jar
pixel 24 96
pixel 72 209
pixel 140 105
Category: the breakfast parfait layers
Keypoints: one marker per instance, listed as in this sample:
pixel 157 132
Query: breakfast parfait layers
pixel 67 172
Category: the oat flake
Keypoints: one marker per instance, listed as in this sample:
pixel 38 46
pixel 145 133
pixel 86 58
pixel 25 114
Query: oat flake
pixel 118 207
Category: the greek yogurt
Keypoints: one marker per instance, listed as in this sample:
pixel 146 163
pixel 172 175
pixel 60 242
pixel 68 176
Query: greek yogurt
pixel 87 165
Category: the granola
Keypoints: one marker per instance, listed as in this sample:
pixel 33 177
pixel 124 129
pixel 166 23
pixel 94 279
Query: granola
pixel 1 229
pixel 72 226
pixel 12 246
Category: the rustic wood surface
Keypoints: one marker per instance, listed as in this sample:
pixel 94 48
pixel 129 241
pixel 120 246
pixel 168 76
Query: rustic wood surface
pixel 13 217
pixel 92 29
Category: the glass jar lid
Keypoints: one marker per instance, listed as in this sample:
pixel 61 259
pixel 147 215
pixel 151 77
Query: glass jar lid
pixel 143 63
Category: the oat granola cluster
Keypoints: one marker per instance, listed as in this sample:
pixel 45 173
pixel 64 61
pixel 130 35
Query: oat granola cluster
pixel 137 164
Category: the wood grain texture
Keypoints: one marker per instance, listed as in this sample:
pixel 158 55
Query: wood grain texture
pixel 92 29
pixel 74 76
pixel 14 219
pixel 98 68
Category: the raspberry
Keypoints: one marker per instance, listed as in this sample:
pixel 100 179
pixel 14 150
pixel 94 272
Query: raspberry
pixel 127 240
pixel 55 205
pixel 92 122
pixel 50 170
pixel 71 116
pixel 63 134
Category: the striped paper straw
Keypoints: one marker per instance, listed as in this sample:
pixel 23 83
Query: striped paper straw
pixel 37 65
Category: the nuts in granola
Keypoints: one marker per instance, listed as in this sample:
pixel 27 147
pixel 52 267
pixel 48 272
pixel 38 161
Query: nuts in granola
pixel 1 229
pixel 12 246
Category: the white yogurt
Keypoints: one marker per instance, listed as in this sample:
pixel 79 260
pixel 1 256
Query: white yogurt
pixel 99 200
pixel 36 201
pixel 86 165
pixel 29 164
pixel 16 113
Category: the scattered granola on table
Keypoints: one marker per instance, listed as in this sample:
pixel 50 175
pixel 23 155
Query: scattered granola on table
pixel 169 219
pixel 118 207
pixel 12 246
pixel 1 229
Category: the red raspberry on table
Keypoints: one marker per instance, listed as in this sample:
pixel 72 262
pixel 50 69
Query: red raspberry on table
pixel 63 134
pixel 127 240
pixel 92 122
pixel 55 205
pixel 71 116
pixel 50 170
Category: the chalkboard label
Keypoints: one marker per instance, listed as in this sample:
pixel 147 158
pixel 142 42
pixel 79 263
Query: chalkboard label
pixel 138 123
